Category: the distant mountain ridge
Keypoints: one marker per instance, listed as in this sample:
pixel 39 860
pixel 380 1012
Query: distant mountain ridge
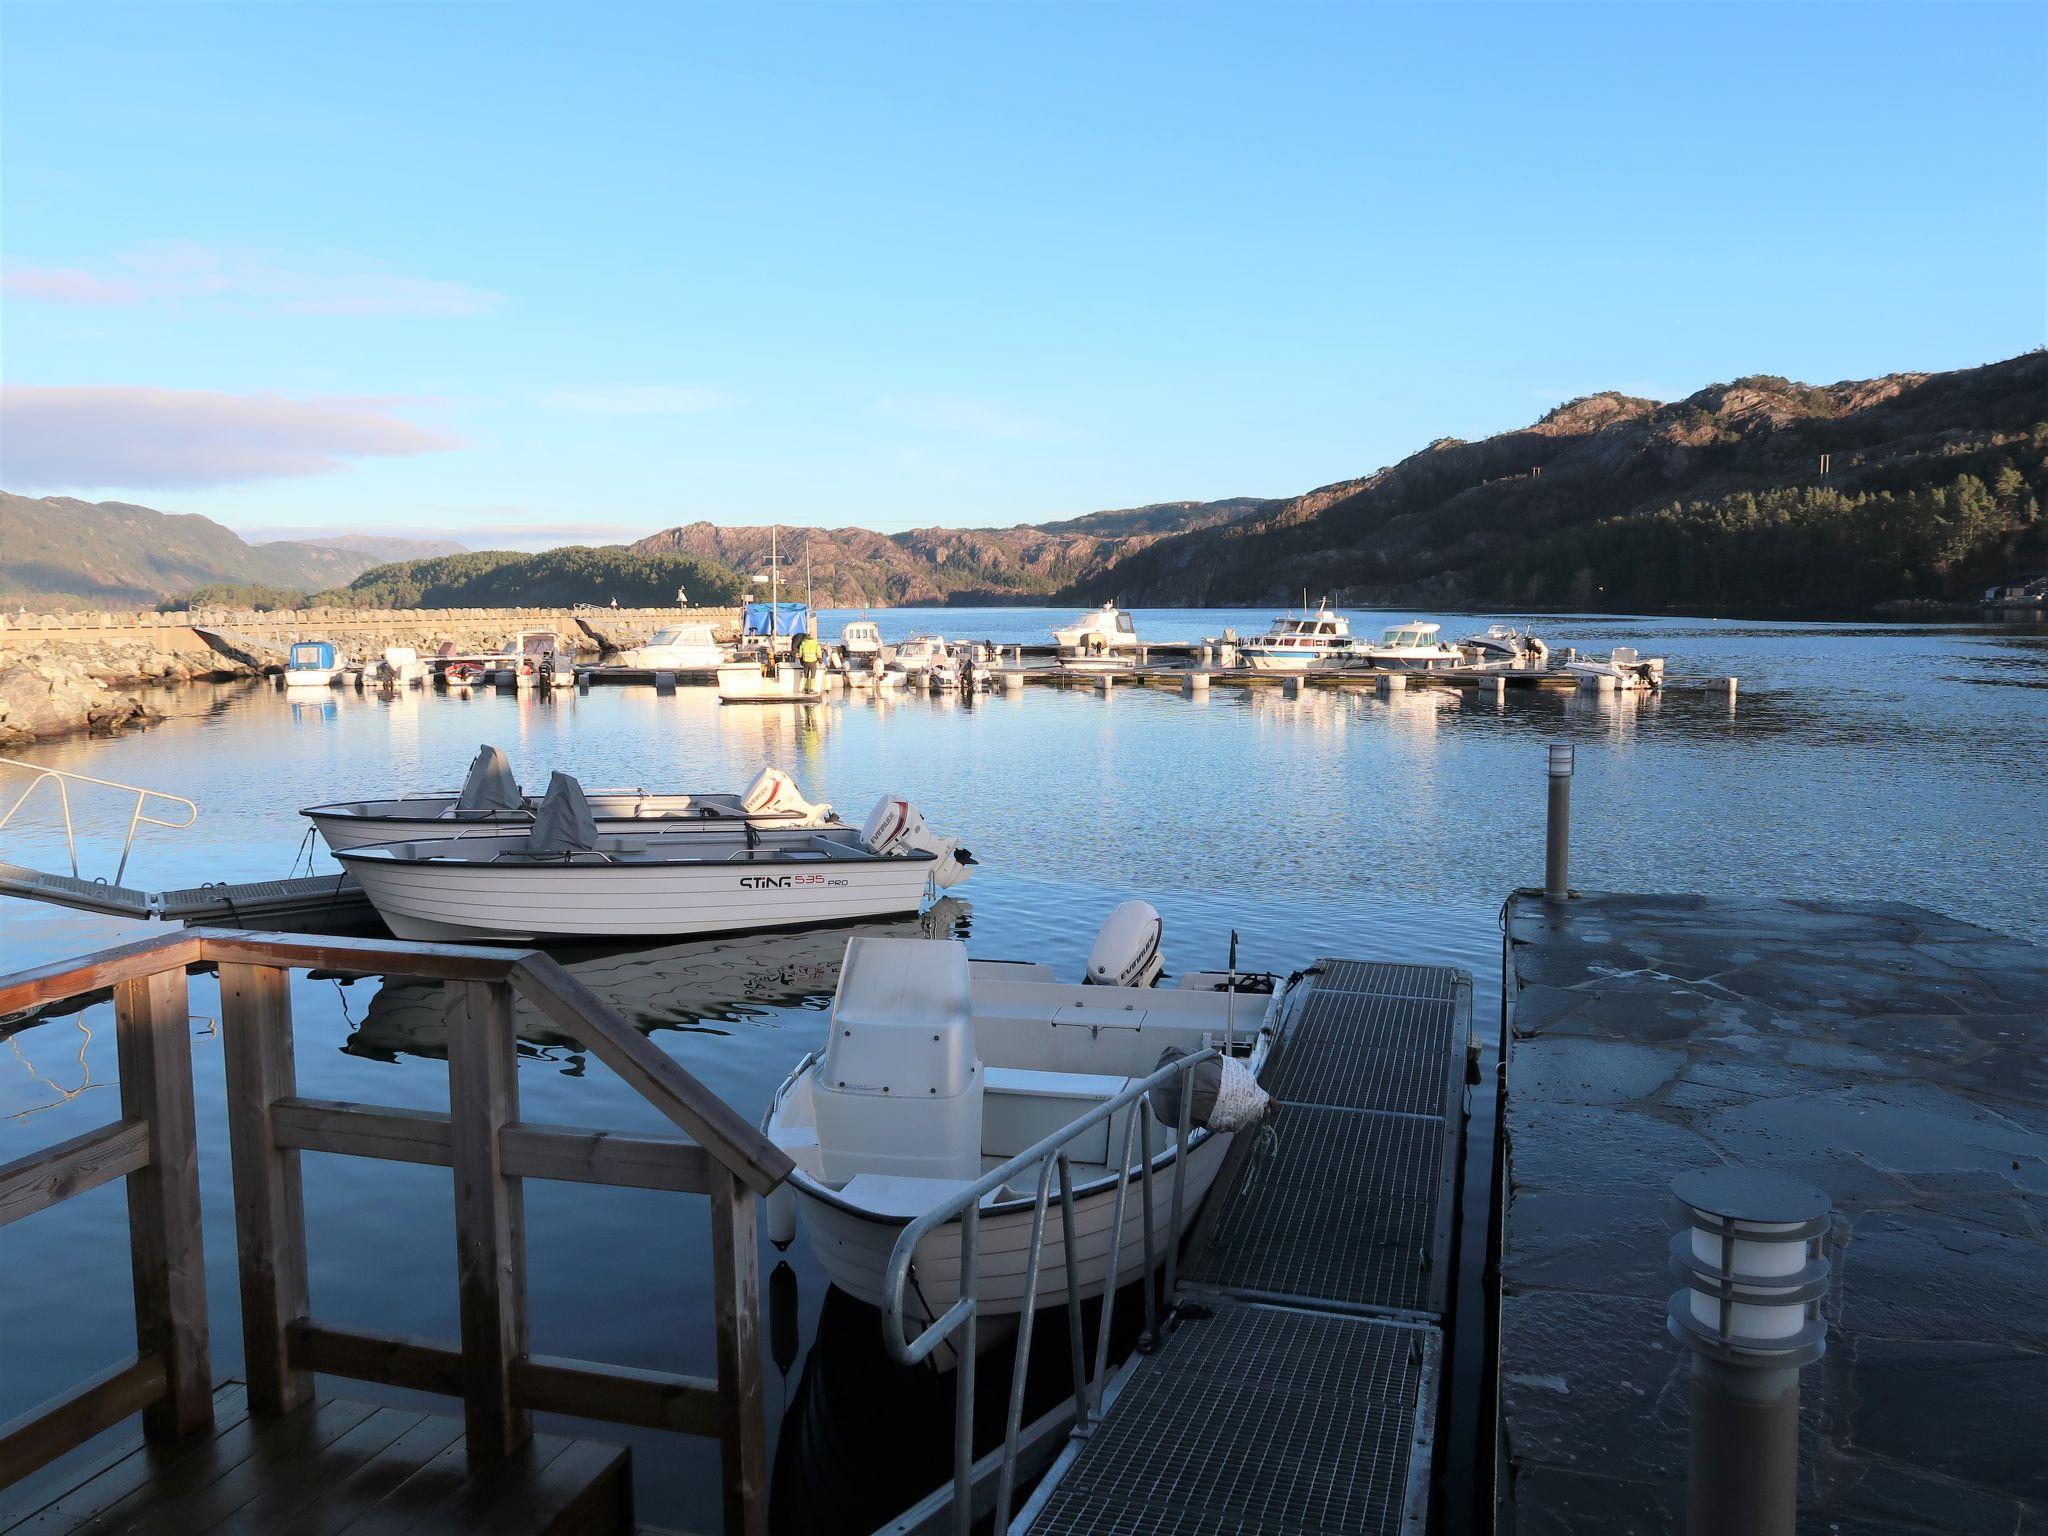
pixel 381 547
pixel 1932 484
pixel 57 551
pixel 855 566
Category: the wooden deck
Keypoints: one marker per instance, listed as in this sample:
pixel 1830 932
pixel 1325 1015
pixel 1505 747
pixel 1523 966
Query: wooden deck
pixel 335 1466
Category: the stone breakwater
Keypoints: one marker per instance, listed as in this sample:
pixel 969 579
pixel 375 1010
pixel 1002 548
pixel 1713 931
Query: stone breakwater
pixel 61 674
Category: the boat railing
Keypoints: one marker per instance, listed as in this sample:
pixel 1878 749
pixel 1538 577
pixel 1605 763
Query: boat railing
pixel 139 816
pixel 482 1138
pixel 1048 1158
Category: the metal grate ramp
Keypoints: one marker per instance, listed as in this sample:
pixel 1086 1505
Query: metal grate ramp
pixel 1354 1206
pixel 1256 1419
pixel 308 898
pixel 70 891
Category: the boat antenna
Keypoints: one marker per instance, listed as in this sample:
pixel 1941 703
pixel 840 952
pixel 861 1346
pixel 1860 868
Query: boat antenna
pixel 1230 1002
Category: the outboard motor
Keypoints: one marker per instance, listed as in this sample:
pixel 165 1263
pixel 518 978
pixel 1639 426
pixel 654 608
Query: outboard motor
pixel 1126 952
pixel 894 828
pixel 774 793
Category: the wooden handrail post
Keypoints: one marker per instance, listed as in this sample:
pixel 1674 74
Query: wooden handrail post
pixel 490 1213
pixel 153 1044
pixel 736 1283
pixel 270 1210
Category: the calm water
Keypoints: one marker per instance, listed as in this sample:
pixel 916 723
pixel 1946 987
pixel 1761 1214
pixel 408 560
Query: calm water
pixel 1859 761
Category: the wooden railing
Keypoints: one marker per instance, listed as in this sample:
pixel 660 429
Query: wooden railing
pixel 490 1150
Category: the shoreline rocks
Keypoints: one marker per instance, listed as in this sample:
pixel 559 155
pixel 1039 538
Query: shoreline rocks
pixel 51 691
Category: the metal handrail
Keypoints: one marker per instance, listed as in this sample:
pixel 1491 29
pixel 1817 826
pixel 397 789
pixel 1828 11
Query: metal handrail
pixel 1050 1156
pixel 61 777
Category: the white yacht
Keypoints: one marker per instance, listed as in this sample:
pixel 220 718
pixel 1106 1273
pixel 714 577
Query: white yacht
pixel 677 648
pixel 1297 642
pixel 567 879
pixel 491 803
pixel 940 1070
pixel 311 664
pixel 1411 647
pixel 1097 641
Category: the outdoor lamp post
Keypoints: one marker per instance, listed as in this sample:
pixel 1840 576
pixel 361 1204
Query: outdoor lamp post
pixel 1557 850
pixel 1747 1248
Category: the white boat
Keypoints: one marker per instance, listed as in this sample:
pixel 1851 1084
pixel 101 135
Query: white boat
pixel 538 659
pixel 677 648
pixel 1411 647
pixel 567 880
pixel 1628 670
pixel 747 682
pixel 311 664
pixel 491 803
pixel 1503 648
pixel 399 667
pixel 860 644
pixel 1296 642
pixel 1101 640
pixel 939 1070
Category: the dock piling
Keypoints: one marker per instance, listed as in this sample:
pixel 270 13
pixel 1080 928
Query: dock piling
pixel 1013 682
pixel 1107 683
pixel 1557 851
pixel 1195 685
pixel 1393 682
pixel 1290 686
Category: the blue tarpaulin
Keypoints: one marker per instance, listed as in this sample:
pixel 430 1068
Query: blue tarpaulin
pixel 312 653
pixel 777 618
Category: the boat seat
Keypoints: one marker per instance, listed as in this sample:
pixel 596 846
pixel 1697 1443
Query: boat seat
pixel 1021 1106
pixel 900 1194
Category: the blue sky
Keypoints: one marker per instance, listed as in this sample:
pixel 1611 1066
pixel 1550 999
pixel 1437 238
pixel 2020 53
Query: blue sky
pixel 534 273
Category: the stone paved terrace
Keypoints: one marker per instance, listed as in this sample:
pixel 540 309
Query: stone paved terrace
pixel 1889 1054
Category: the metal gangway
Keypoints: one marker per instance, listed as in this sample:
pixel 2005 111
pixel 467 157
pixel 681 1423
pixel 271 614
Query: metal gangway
pixel 317 899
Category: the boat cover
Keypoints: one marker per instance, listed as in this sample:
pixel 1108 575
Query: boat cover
pixel 777 618
pixel 490 785
pixel 563 824
pixel 312 654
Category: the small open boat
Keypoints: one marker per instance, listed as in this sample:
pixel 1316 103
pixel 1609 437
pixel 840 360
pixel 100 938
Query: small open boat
pixel 940 1070
pixel 491 802
pixel 1629 670
pixel 1503 648
pixel 566 879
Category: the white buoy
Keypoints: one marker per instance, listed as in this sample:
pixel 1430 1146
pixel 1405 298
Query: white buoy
pixel 781 1203
pixel 1194 683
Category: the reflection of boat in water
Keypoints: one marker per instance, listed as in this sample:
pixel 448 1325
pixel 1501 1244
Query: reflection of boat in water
pixel 936 1072
pixel 669 986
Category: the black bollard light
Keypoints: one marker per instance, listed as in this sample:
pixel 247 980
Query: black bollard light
pixel 1747 1247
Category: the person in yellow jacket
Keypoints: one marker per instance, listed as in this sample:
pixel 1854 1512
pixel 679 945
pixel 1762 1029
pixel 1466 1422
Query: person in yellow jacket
pixel 809 654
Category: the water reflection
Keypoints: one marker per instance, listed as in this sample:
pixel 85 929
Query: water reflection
pixel 705 985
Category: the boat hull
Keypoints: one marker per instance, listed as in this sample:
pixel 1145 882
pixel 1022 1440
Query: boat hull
pixel 525 902
pixel 311 677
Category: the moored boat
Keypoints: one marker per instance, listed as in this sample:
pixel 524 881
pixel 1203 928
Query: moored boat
pixel 311 664
pixel 1104 639
pixel 940 1070
pixel 676 648
pixel 1296 642
pixel 491 802
pixel 1503 648
pixel 1628 670
pixel 746 682
pixel 568 880
pixel 399 667
pixel 1411 647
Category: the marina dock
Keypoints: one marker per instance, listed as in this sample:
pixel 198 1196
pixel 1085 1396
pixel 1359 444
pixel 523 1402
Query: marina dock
pixel 1300 1387
pixel 1886 1054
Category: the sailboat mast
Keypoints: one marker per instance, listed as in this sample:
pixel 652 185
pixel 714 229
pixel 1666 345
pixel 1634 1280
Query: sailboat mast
pixel 774 588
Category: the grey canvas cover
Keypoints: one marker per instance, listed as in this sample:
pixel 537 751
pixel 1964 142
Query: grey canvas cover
pixel 563 825
pixel 490 785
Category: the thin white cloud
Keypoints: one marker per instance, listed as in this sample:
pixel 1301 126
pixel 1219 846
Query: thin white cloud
pixel 635 400
pixel 181 271
pixel 56 438
pixel 965 415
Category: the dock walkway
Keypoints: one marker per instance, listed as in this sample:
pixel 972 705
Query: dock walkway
pixel 1298 1389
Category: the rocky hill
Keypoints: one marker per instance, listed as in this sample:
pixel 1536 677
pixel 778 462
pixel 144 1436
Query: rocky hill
pixel 854 567
pixel 56 552
pixel 1933 483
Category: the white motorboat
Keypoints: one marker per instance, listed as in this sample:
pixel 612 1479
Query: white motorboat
pixel 1296 642
pixel 1102 640
pixel 860 645
pixel 915 656
pixel 747 682
pixel 1503 648
pixel 677 648
pixel 1411 647
pixel 940 1070
pixel 1628 670
pixel 538 659
pixel 491 803
pixel 399 667
pixel 311 664
pixel 567 880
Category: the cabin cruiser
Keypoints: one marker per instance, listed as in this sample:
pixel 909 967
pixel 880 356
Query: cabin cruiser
pixel 860 649
pixel 1297 642
pixel 1097 641
pixel 914 657
pixel 1629 670
pixel 312 664
pixel 677 648
pixel 1503 648
pixel 780 682
pixel 567 879
pixel 1411 647
pixel 940 1069
pixel 491 803
pixel 399 667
